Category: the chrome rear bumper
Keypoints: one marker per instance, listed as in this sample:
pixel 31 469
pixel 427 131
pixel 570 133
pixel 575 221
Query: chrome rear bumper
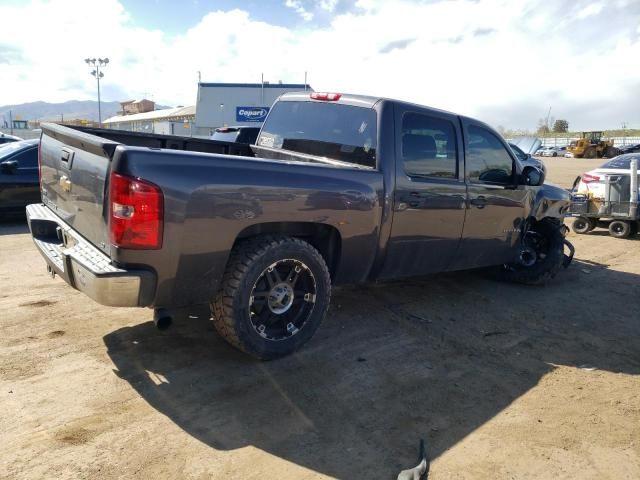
pixel 85 267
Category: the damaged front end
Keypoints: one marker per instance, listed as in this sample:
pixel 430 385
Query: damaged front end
pixel 543 247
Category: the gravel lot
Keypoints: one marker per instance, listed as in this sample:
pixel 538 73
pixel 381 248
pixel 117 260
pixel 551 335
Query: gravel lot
pixel 502 381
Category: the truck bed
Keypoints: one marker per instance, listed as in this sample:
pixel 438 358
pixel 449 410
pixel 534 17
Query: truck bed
pixel 214 194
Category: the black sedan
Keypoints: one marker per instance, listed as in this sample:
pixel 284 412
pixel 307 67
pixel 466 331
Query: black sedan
pixel 19 184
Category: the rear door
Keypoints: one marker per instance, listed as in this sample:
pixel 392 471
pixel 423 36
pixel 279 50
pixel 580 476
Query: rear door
pixel 430 193
pixel 19 186
pixel 26 177
pixel 74 169
pixel 496 207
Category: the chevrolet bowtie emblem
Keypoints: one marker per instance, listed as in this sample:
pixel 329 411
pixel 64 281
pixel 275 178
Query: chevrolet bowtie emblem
pixel 65 183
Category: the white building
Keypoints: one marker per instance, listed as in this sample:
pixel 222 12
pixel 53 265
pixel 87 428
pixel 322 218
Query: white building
pixel 168 121
pixel 223 104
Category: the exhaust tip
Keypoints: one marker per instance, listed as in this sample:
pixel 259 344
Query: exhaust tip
pixel 162 318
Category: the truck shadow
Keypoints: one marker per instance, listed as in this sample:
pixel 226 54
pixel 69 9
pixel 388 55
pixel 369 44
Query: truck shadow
pixel 433 358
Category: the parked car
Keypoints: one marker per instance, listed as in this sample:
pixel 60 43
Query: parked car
pixel 343 189
pixel 18 175
pixel 527 159
pixel 554 152
pixel 592 183
pixel 240 134
pixel 6 138
pixel 607 197
pixel 633 148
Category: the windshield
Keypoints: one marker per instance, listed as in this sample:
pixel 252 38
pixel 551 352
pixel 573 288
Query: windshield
pixel 229 136
pixel 622 161
pixel 519 153
pixel 325 129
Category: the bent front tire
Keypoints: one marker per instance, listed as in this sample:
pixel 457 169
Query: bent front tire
pixel 544 248
pixel 274 294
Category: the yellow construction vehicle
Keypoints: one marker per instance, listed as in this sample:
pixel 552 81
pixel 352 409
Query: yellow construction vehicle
pixel 592 145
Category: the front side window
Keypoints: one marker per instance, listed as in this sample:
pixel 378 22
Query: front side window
pixel 428 146
pixel 487 159
pixel 324 129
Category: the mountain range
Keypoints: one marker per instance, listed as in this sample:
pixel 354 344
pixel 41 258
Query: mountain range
pixel 71 110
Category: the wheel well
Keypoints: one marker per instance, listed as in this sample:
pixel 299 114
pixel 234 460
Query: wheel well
pixel 325 238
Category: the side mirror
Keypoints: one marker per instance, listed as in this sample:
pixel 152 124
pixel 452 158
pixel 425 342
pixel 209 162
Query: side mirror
pixel 9 166
pixel 532 176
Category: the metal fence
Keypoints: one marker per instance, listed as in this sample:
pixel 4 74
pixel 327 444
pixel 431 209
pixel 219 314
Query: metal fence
pixel 564 141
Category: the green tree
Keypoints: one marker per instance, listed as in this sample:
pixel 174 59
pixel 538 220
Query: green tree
pixel 561 126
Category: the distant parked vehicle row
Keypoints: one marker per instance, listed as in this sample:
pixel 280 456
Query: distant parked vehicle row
pixel 18 175
pixel 551 151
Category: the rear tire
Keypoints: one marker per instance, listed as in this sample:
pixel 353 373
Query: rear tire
pixel 590 153
pixel 549 260
pixel 620 229
pixel 257 309
pixel 582 225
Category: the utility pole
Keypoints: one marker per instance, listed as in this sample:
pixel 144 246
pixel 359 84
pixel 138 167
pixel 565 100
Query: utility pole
pixel 97 64
pixel 11 121
pixel 547 120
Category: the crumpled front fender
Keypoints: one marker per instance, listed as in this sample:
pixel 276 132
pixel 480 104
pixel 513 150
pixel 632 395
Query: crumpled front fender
pixel 550 201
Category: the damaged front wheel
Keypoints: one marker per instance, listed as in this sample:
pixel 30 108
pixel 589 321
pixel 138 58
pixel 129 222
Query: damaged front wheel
pixel 541 256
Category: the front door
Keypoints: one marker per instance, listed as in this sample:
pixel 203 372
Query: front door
pixel 496 206
pixel 430 193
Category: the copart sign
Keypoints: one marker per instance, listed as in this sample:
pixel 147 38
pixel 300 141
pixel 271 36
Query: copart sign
pixel 251 114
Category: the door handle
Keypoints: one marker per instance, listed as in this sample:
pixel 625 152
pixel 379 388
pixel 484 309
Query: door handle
pixel 478 202
pixel 66 158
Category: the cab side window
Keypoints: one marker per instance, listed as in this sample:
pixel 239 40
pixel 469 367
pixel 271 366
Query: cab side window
pixel 487 159
pixel 428 146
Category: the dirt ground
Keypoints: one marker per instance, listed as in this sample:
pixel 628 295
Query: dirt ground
pixel 502 381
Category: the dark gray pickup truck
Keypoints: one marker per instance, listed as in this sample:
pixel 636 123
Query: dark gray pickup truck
pixel 339 189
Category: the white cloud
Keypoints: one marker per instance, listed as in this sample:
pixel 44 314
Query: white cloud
pixel 328 5
pixel 590 10
pixel 300 10
pixel 505 62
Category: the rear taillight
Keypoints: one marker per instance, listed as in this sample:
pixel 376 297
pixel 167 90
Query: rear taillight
pixel 327 97
pixel 587 178
pixel 136 213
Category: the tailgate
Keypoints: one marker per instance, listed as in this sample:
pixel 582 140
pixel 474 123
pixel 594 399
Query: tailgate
pixel 73 167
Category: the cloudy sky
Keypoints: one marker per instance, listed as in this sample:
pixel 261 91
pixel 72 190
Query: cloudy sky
pixel 503 61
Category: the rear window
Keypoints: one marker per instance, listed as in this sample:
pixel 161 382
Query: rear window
pixel 621 161
pixel 10 148
pixel 226 136
pixel 331 130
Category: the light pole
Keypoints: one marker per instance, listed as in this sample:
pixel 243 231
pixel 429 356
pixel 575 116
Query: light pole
pixel 222 110
pixel 97 64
